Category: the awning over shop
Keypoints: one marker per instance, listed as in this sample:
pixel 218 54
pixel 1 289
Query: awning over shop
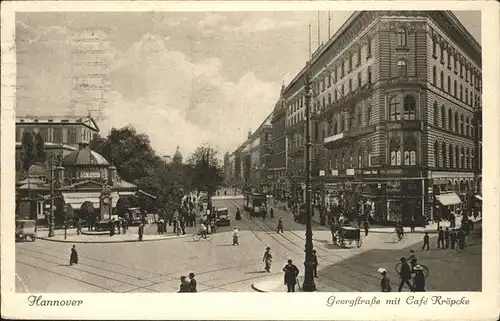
pixel 126 193
pixel 479 197
pixel 77 199
pixel 449 199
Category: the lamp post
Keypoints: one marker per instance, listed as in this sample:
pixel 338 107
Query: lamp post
pixel 51 219
pixel 308 285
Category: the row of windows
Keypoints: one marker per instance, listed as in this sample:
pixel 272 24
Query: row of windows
pixel 453 157
pixel 459 124
pixel 471 75
pixel 56 137
pixel 345 160
pixel 473 100
pixel 408 151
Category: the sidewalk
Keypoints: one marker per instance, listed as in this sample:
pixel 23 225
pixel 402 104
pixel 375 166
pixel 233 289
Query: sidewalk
pixel 430 228
pixel 131 236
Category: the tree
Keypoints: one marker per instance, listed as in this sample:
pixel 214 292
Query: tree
pixel 39 149
pixel 206 169
pixel 27 150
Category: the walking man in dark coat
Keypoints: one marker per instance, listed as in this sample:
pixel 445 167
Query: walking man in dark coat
pixel 192 283
pixel 447 238
pixel 412 225
pixel 182 225
pixel 426 241
pixel 140 231
pixel 405 275
pixel 184 285
pixel 79 226
pixel 366 225
pixel 453 238
pixel 73 258
pixel 315 262
pixel 291 273
pixel 440 238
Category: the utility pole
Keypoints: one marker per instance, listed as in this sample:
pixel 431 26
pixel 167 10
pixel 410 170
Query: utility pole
pixel 51 220
pixel 209 189
pixel 308 285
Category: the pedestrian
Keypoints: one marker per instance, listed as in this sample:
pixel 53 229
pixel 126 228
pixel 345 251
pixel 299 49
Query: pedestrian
pixel 271 213
pixel 140 231
pixel 119 226
pixel 182 225
pixel 192 283
pixel 440 238
pixel 236 236
pixel 125 226
pixel 174 223
pixel 291 273
pixel 112 227
pixel 453 219
pixel 280 225
pixel 159 228
pixel 385 283
pixel 412 225
pixel 315 263
pixel 73 258
pixel 184 287
pixel 366 225
pixel 225 193
pixel 419 279
pixel 453 238
pixel 79 226
pixel 267 259
pixel 447 238
pixel 426 241
pixel 405 275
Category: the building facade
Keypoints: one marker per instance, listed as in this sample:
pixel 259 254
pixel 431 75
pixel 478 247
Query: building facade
pixel 278 168
pixel 396 99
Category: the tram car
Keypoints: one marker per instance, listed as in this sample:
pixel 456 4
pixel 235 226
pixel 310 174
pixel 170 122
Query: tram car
pixel 255 204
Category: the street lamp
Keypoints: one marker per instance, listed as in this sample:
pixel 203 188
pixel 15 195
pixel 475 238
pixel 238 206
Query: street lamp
pixel 308 285
pixel 51 219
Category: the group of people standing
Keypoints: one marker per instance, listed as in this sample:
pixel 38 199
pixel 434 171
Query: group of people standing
pixel 188 286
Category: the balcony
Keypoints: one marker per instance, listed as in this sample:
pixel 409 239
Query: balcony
pixel 403 80
pixel 330 141
pixel 404 125
pixel 360 92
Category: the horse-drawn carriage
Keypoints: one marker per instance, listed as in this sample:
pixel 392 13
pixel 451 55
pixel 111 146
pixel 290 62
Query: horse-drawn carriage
pixel 343 235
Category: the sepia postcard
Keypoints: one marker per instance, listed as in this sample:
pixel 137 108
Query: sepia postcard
pixel 310 160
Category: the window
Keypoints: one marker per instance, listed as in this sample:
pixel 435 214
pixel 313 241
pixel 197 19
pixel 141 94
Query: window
pixel 368 154
pixel 350 62
pixel 335 74
pixel 443 46
pixel 461 124
pixel 466 95
pixel 455 88
pixel 360 158
pixel 394 104
pixel 44 132
pixel 369 74
pixel 472 158
pixel 335 127
pixel 395 152
pixel 462 68
pixel 450 156
pixel 456 122
pixel 343 91
pixel 449 58
pixel 369 115
pixel 434 47
pixel 409 108
pixel 448 88
pixel 444 153
pixel 434 75
pixel 436 117
pixel 342 69
pixel 359 56
pixel 443 116
pixel 342 123
pixel 455 61
pixel 457 157
pixel 71 136
pixel 461 93
pixel 466 74
pixel 401 36
pixel 58 137
pixel 358 120
pixel 450 120
pixel 402 70
pixel 329 80
pixel 368 48
pixel 323 101
pixel 351 122
pixel 467 124
pixel 336 94
pixel 329 98
pixel 441 78
pixel 467 155
pixel 410 151
pixel 350 85
pixel 359 80
pixel 436 154
pixel 462 157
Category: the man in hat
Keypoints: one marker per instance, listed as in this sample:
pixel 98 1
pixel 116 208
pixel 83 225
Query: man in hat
pixel 315 262
pixel 453 238
pixel 291 273
pixel 440 238
pixel 405 275
pixel 140 231
pixel 426 241
pixel 385 283
pixel 419 279
pixel 267 258
pixel 447 238
pixel 185 285
pixel 192 283
pixel 236 236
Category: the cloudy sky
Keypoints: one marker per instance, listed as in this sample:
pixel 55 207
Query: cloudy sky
pixel 181 78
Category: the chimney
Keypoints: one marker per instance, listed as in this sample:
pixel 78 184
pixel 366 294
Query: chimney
pixel 111 175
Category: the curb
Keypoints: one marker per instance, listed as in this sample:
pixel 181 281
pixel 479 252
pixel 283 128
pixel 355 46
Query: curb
pixel 256 289
pixel 103 242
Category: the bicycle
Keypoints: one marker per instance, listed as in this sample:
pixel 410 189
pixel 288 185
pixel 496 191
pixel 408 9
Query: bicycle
pixel 461 247
pixel 198 236
pixel 398 237
pixel 425 269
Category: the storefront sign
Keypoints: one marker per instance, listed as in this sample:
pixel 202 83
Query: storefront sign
pixel 321 173
pixel 393 187
pixel 335 172
pixel 90 174
pixel 349 171
pixel 375 161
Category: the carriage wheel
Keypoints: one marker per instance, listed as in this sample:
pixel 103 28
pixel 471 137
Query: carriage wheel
pixel 209 237
pixel 196 237
pixel 359 241
pixel 395 238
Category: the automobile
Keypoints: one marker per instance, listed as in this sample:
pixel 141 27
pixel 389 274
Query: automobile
pixel 25 230
pixel 223 217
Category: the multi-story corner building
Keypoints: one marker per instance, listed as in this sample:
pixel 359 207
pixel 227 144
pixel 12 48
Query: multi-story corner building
pixel 61 135
pixel 396 98
pixel 265 154
pixel 278 168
